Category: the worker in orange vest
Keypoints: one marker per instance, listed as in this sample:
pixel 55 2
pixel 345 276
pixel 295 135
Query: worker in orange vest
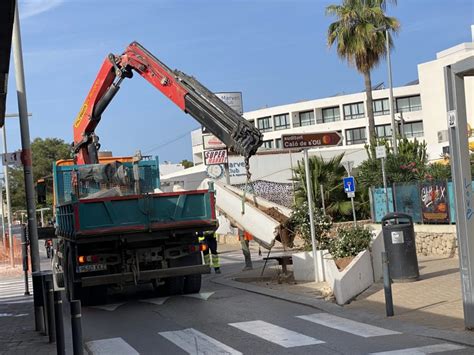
pixel 245 237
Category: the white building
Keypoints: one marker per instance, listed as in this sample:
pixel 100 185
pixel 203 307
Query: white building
pixel 421 103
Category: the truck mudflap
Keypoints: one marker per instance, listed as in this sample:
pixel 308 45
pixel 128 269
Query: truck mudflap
pixel 146 275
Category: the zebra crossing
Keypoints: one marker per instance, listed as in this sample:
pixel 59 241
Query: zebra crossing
pixel 13 291
pixel 193 341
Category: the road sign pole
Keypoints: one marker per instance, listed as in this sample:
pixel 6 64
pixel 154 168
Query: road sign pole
pixel 385 186
pixel 309 194
pixel 457 126
pixel 354 211
pixel 7 193
pixel 322 198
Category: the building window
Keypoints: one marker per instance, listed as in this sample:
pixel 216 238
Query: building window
pixel 383 131
pixel 381 107
pixel 353 111
pixel 278 143
pixel 331 114
pixel 267 144
pixel 281 121
pixel 413 129
pixel 306 118
pixel 410 103
pixel 355 136
pixel 264 124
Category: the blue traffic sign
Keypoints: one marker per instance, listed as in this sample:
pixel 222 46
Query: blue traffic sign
pixel 349 184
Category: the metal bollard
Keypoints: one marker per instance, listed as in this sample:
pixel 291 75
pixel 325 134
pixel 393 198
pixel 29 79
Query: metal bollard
pixel 50 309
pixel 76 327
pixel 24 254
pixel 38 302
pixel 58 317
pixel 387 285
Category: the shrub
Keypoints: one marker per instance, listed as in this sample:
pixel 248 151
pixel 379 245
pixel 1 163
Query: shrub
pixel 349 242
pixel 299 223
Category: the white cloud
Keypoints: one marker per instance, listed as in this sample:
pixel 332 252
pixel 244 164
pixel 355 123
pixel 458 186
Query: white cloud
pixel 29 8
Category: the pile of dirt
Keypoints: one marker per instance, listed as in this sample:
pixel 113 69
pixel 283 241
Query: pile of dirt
pixel 275 214
pixel 343 262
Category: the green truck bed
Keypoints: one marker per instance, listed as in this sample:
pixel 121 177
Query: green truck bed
pixel 80 214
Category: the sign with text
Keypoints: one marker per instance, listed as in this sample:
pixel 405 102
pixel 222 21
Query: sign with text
pixel 212 142
pixel 215 157
pixel 310 140
pixel 12 158
pixel 233 100
pixel 435 204
pixel 380 152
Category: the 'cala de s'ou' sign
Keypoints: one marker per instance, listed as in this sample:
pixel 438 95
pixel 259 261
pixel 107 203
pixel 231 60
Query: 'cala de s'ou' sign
pixel 434 202
pixel 309 140
pixel 215 157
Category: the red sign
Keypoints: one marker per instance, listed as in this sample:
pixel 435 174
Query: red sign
pixel 309 140
pixel 215 157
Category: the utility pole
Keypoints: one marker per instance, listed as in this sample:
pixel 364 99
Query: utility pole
pixel 7 193
pixel 25 142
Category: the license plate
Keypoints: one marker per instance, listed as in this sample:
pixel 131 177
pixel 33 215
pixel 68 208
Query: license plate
pixel 91 267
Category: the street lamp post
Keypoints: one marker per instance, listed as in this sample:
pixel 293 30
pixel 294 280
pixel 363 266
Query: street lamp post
pixel 390 93
pixel 390 87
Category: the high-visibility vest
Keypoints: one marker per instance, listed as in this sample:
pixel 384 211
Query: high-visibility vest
pixel 248 236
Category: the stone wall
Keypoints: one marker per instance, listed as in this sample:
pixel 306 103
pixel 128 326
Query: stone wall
pixel 429 243
pixel 432 240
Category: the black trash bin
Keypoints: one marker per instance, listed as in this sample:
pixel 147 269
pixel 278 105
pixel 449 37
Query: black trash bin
pixel 399 239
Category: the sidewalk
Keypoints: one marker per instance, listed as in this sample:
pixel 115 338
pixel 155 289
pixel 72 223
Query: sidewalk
pixel 17 324
pixel 430 307
pixel 434 301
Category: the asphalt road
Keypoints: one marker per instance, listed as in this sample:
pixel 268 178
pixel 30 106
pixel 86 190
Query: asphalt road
pixel 224 320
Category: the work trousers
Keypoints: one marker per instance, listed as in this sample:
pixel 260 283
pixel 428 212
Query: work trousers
pixel 211 259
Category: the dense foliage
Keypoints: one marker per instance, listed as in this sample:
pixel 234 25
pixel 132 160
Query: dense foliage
pixel 350 241
pixel 44 153
pixel 299 223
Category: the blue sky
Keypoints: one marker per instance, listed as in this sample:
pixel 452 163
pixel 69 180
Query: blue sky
pixel 274 51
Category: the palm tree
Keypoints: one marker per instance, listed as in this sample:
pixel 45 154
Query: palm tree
pixel 329 174
pixel 360 41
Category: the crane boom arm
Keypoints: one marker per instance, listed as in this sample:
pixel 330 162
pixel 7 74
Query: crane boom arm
pixel 185 91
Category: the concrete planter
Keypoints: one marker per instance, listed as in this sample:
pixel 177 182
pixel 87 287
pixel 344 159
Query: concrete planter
pixel 351 281
pixel 345 284
pixel 303 267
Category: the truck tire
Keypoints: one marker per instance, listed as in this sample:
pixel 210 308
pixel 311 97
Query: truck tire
pixel 192 284
pixel 174 285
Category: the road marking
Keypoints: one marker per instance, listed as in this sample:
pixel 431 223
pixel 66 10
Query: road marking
pixel 13 315
pixel 347 325
pixel 115 346
pixel 158 301
pixel 275 334
pixel 109 307
pixel 201 296
pixel 429 349
pixel 195 342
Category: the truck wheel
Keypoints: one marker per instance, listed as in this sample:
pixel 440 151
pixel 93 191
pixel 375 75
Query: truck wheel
pixel 192 284
pixel 174 285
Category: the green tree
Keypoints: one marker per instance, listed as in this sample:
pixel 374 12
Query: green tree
pixel 330 174
pixel 409 165
pixel 186 163
pixel 44 153
pixel 359 42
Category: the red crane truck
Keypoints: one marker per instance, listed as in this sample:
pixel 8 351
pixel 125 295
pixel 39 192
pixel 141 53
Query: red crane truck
pixel 114 226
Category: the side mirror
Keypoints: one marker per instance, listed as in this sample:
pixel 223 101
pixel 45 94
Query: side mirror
pixel 41 191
